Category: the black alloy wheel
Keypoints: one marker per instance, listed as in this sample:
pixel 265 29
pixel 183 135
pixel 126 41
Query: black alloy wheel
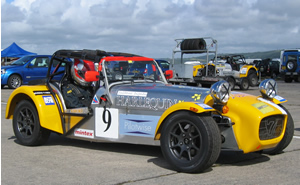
pixel 190 143
pixel 26 125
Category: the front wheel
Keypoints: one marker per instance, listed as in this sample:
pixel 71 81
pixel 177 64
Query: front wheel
pixel 26 125
pixel 190 143
pixel 14 81
pixel 287 138
pixel 253 79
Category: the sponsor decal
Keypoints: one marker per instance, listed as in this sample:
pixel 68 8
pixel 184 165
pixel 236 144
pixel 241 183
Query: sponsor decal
pixel 107 122
pixel 273 104
pixel 279 98
pixel 41 92
pixel 48 100
pixel 196 97
pixel 145 102
pixel 84 133
pixel 76 110
pixel 204 106
pixel 132 93
pixel 263 107
pixel 95 100
pixel 138 125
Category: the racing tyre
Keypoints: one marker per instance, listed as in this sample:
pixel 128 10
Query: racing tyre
pixel 190 143
pixel 287 138
pixel 26 125
pixel 244 84
pixel 253 79
pixel 14 81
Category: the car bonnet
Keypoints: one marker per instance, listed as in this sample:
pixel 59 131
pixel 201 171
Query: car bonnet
pixel 156 96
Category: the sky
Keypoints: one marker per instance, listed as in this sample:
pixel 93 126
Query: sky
pixel 149 27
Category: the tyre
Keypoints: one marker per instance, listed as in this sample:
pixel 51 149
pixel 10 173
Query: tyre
pixel 273 75
pixel 291 65
pixel 287 138
pixel 288 79
pixel 253 79
pixel 244 84
pixel 26 125
pixel 190 143
pixel 118 76
pixel 206 85
pixel 231 82
pixel 14 81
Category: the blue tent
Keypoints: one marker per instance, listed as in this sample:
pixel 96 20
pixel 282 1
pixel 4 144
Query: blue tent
pixel 15 51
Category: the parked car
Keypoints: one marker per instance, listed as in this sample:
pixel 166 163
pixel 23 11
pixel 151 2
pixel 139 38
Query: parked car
pixel 190 124
pixel 24 70
pixel 290 65
pixel 268 67
pixel 163 64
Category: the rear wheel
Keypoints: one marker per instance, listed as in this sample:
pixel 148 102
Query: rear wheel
pixel 287 138
pixel 231 82
pixel 26 125
pixel 190 143
pixel 244 84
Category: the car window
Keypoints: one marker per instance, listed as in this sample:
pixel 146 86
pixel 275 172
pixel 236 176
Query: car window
pixel 40 62
pixel 22 60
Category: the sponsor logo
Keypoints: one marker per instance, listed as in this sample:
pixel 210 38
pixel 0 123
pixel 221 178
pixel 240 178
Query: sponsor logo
pixel 41 92
pixel 84 133
pixel 279 98
pixel 48 100
pixel 145 102
pixel 95 100
pixel 204 106
pixel 132 93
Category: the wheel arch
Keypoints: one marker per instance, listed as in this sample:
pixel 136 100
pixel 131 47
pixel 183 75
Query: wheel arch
pixel 184 106
pixel 48 114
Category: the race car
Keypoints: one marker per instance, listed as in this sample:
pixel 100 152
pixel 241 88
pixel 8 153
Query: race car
pixel 96 101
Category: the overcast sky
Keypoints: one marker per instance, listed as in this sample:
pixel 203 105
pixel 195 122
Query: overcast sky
pixel 149 27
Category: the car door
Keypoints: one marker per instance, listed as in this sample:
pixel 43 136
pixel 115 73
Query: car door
pixel 36 69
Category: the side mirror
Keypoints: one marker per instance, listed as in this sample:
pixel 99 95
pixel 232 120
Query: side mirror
pixel 169 74
pixel 30 65
pixel 91 76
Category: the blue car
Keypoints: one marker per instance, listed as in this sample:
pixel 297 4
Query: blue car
pixel 163 64
pixel 25 69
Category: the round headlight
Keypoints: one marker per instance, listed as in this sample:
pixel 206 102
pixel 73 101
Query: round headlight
pixel 220 91
pixel 268 88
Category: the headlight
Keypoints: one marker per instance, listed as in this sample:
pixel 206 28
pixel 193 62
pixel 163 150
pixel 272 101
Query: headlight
pixel 3 71
pixel 220 91
pixel 243 71
pixel 268 88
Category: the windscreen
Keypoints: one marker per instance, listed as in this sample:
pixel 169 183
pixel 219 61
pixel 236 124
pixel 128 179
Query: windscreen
pixel 133 71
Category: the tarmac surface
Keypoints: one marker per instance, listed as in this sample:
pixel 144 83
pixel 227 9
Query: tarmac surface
pixel 69 161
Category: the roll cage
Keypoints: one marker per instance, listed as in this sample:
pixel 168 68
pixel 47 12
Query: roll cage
pixel 64 58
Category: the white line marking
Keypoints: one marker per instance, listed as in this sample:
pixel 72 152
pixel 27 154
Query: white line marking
pixel 296 137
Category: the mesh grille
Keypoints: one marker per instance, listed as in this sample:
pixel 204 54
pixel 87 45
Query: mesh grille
pixel 271 127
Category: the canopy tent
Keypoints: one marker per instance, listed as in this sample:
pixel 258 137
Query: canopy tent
pixel 15 51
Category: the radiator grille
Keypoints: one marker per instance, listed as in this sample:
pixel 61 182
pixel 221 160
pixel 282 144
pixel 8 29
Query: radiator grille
pixel 271 127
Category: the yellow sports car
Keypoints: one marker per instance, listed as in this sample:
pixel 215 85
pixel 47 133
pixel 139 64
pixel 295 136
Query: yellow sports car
pixel 97 101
